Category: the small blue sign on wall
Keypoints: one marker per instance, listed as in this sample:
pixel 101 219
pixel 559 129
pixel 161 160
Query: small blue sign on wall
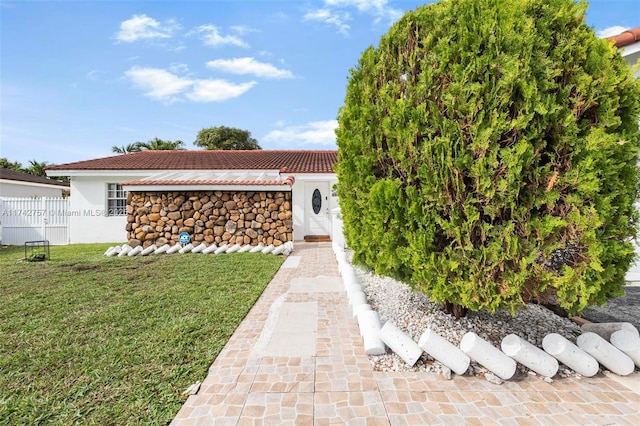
pixel 184 237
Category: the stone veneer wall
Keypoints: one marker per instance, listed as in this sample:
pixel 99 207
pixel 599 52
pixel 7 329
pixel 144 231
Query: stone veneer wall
pixel 220 217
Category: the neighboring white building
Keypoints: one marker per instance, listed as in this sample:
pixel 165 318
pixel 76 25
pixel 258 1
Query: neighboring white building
pixel 101 186
pixel 24 185
pixel 629 44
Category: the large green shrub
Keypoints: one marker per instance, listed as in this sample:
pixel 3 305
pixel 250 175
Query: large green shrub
pixel 487 155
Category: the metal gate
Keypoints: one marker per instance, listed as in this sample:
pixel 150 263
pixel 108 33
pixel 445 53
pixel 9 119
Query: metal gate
pixel 32 219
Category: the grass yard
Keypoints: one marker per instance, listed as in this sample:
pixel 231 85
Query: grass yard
pixel 95 340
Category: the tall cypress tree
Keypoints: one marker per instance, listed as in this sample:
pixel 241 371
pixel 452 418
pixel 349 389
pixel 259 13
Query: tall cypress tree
pixel 487 155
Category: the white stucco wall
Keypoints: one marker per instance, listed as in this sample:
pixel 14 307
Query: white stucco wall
pixel 88 222
pixel 631 54
pixel 29 190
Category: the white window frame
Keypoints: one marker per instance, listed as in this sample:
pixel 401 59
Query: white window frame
pixel 116 202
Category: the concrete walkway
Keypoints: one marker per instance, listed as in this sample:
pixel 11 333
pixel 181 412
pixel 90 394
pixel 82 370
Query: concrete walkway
pixel 297 358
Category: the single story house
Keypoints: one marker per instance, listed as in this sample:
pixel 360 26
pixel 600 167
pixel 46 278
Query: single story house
pixel 25 185
pixel 221 197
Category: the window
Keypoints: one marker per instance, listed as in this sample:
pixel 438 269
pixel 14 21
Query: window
pixel 116 200
pixel 316 201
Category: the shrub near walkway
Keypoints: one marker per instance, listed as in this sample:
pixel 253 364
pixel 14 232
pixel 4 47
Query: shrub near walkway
pixel 96 340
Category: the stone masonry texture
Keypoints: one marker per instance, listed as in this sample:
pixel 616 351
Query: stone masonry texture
pixel 212 217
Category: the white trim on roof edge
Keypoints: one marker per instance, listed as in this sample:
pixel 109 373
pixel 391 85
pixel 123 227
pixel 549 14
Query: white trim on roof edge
pixel 183 187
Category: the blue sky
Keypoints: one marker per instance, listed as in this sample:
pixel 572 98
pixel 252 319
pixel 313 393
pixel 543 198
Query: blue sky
pixel 78 77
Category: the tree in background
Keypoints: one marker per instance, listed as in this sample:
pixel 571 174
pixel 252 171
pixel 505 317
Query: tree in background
pixel 153 144
pixel 128 149
pixel 11 165
pixel 488 156
pixel 226 138
pixel 162 145
pixel 36 168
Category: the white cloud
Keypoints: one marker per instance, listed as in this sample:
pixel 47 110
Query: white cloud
pixel 178 68
pixel 330 17
pixel 95 75
pixel 331 14
pixel 165 86
pixel 144 27
pixel 243 29
pixel 315 132
pixel 217 90
pixel 211 36
pixel 611 31
pixel 362 5
pixel 249 66
pixel 157 83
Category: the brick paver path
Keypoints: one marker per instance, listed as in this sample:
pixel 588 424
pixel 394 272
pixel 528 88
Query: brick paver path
pixel 336 384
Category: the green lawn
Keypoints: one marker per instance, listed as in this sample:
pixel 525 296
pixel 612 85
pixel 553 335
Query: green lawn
pixel 95 340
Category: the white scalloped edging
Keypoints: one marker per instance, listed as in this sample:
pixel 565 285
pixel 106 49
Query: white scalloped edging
pixel 127 251
pixel 618 356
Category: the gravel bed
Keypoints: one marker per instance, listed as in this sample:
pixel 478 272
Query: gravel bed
pixel 413 313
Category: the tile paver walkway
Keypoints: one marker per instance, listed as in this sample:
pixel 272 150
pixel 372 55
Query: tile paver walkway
pixel 321 376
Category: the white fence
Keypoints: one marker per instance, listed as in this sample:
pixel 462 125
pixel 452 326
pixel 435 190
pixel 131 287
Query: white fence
pixel 33 219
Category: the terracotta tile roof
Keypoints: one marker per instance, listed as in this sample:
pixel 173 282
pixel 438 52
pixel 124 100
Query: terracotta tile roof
pixel 626 38
pixel 26 177
pixel 285 161
pixel 288 181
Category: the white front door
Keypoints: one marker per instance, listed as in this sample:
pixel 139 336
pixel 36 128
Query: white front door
pixel 316 208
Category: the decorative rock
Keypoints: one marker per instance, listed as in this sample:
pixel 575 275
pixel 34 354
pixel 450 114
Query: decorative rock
pixel 147 251
pixel 114 251
pixel 488 356
pixel 349 276
pixel 134 251
pixel 211 249
pixel 268 249
pixel 357 298
pixel 446 372
pixel 174 249
pixel 186 249
pixel 352 289
pixel 530 356
pixel 279 250
pixel 628 343
pixel 364 307
pixel 444 351
pixel 199 248
pixel 230 226
pixel 369 323
pixel 221 249
pixel 257 248
pixel 400 343
pixel 605 329
pixel 492 378
pixel 125 250
pixel 234 248
pixel 606 354
pixel 162 249
pixel 570 355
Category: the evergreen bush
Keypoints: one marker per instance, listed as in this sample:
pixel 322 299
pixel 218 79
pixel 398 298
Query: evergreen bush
pixel 487 155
